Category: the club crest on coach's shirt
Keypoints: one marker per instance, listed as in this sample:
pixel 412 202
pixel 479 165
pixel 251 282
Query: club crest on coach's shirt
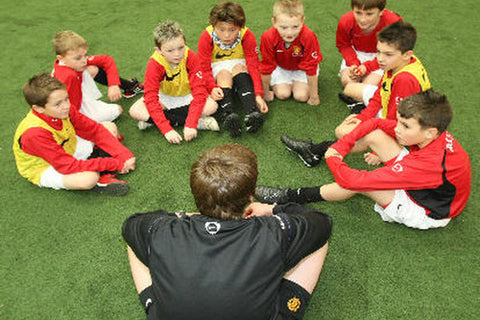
pixel 212 227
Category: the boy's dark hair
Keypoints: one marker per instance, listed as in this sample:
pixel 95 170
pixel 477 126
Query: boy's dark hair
pixel 430 108
pixel 227 11
pixel 401 34
pixel 369 4
pixel 223 180
pixel 37 90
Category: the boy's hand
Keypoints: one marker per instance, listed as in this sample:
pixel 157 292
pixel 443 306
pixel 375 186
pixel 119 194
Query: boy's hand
pixel 128 166
pixel 261 104
pixel 360 71
pixel 172 136
pixel 352 120
pixel 216 94
pixel 269 96
pixel 332 153
pixel 314 100
pixel 189 133
pixel 372 158
pixel 257 209
pixel 114 93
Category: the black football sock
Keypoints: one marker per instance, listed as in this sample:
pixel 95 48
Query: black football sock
pixel 226 104
pixel 305 195
pixel 99 153
pixel 319 149
pixel 243 85
pixel 101 78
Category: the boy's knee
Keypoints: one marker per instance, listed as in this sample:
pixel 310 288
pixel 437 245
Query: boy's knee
pixel 301 96
pixel 239 68
pixel 120 109
pixel 111 127
pixel 93 70
pixel 340 131
pixel 283 94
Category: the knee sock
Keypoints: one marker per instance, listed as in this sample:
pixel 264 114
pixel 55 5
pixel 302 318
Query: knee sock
pixel 243 85
pixel 101 78
pixel 319 149
pixel 226 104
pixel 100 153
pixel 305 195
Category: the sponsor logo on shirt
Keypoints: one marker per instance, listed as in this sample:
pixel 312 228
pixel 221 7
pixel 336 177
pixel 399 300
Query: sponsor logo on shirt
pixel 449 140
pixel 212 227
pixel 223 55
pixel 167 78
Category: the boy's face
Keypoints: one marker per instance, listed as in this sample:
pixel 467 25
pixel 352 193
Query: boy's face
pixel 173 50
pixel 75 59
pixel 57 106
pixel 227 32
pixel 288 27
pixel 408 132
pixel 367 19
pixel 391 58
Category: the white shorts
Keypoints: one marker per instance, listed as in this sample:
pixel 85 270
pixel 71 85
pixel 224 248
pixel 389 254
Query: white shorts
pixel 368 93
pixel 404 210
pixel 92 107
pixel 51 178
pixel 226 65
pixel 169 102
pixel 283 76
pixel 363 57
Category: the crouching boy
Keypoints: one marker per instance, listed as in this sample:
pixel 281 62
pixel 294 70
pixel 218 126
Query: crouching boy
pixel 424 187
pixel 54 143
pixel 234 259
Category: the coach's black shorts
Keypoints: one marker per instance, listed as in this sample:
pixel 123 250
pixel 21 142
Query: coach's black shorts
pixel 292 301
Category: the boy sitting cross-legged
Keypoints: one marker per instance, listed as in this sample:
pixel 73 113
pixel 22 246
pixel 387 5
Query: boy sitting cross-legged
pixel 290 55
pixel 423 187
pixel 175 93
pixel 228 54
pixel 234 259
pixel 54 144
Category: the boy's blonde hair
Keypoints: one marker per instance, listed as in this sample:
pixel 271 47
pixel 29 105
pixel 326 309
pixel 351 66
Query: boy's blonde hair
pixel 37 89
pixel 288 7
pixel 68 40
pixel 166 31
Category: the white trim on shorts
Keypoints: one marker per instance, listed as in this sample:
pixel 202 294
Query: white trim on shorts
pixel 405 211
pixel 284 76
pixel 51 178
pixel 92 107
pixel 226 65
pixel 363 57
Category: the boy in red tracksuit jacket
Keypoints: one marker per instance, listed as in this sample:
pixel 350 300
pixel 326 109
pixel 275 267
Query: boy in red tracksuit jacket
pixel 423 187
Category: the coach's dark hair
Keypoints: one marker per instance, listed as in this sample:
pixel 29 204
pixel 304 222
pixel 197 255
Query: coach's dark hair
pixel 430 108
pixel 369 4
pixel 227 11
pixel 223 181
pixel 38 88
pixel 401 34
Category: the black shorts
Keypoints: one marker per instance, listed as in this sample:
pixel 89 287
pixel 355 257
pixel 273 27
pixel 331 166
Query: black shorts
pixel 292 301
pixel 177 116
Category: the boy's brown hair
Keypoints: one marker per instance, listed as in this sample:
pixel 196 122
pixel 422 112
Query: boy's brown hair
pixel 368 4
pixel 288 7
pixel 223 181
pixel 227 11
pixel 430 108
pixel 400 34
pixel 166 31
pixel 68 40
pixel 37 89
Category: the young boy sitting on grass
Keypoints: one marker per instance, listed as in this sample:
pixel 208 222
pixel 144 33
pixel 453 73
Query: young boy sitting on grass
pixel 290 55
pixel 228 54
pixel 357 42
pixel 78 71
pixel 404 75
pixel 421 188
pixel 175 93
pixel 54 144
pixel 235 259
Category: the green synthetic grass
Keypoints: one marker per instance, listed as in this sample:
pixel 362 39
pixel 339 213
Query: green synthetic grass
pixel 62 255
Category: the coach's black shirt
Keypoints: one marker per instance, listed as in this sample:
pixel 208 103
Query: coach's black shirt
pixel 204 268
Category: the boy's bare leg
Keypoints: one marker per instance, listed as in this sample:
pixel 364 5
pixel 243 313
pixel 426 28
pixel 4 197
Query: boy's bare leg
pixel 355 90
pixel 333 192
pixel 225 79
pixel 138 110
pixel 307 271
pixel 301 91
pixel 372 78
pixel 282 91
pixel 80 181
pixel 140 272
pixel 210 107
